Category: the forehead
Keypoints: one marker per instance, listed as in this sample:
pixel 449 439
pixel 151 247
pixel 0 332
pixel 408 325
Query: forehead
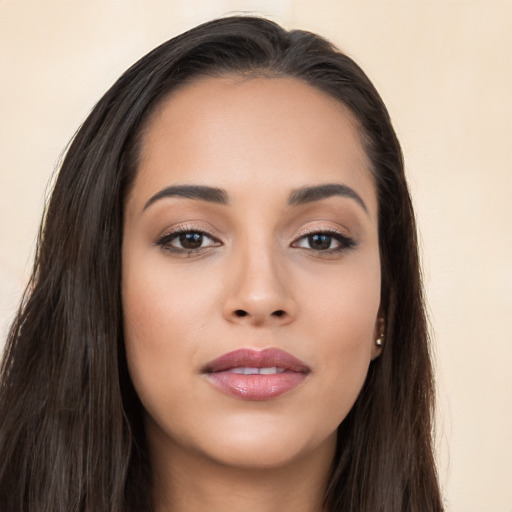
pixel 234 132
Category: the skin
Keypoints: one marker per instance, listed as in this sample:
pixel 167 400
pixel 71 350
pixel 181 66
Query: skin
pixel 259 140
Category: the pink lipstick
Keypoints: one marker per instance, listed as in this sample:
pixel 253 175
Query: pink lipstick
pixel 256 374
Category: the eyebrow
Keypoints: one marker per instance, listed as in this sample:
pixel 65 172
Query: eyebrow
pixel 203 193
pixel 316 193
pixel 300 196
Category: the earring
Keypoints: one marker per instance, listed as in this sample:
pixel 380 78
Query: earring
pixel 380 341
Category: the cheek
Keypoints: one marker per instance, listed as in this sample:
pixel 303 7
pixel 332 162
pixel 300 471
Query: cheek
pixel 161 303
pixel 344 319
pixel 346 303
pixel 165 321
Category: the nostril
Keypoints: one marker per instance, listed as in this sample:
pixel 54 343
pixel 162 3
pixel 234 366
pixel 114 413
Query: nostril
pixel 240 313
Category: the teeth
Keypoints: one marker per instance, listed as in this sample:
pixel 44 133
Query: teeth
pixel 236 370
pixel 269 371
pixel 256 371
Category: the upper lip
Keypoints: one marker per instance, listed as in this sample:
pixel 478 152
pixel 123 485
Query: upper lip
pixel 250 358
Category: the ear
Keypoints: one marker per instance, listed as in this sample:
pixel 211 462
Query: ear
pixel 378 336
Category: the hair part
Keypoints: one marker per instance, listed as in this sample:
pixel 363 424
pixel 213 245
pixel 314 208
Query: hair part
pixel 71 436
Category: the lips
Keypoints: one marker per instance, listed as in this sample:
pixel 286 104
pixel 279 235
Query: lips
pixel 256 374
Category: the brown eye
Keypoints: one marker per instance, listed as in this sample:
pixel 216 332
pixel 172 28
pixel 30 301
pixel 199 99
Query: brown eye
pixel 326 241
pixel 320 242
pixel 187 241
pixel 191 240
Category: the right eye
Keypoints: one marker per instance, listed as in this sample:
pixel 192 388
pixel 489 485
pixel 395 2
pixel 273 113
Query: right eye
pixel 187 241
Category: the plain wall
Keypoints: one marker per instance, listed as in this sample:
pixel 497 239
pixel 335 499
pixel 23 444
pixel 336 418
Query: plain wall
pixel 444 69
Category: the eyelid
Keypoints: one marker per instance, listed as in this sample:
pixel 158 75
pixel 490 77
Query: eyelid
pixel 323 229
pixel 313 230
pixel 189 226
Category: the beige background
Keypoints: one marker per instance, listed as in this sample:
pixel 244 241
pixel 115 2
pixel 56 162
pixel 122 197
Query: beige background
pixel 444 69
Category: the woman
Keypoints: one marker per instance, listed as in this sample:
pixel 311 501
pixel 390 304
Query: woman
pixel 225 311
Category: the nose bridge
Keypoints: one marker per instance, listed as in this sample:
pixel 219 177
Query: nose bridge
pixel 258 292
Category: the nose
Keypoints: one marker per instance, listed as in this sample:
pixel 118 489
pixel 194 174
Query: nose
pixel 259 291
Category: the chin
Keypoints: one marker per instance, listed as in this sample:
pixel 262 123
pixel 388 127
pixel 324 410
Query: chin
pixel 265 442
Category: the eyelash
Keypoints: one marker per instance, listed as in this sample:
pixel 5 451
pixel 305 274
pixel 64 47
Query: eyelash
pixel 166 240
pixel 345 243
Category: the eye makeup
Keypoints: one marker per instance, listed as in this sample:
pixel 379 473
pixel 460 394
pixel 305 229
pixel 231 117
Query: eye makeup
pixel 327 241
pixel 188 240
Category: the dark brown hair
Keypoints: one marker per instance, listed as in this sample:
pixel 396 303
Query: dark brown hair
pixel 70 436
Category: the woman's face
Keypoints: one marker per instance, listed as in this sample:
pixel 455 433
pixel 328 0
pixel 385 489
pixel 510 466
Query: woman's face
pixel 251 272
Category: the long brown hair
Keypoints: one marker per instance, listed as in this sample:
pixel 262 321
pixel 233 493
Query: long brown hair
pixel 71 437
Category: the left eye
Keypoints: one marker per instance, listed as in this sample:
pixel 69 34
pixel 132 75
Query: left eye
pixel 324 242
pixel 186 241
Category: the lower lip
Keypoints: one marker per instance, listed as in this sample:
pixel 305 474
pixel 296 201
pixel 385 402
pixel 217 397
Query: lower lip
pixel 256 387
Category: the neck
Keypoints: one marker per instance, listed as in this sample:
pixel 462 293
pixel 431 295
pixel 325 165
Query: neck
pixel 185 482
